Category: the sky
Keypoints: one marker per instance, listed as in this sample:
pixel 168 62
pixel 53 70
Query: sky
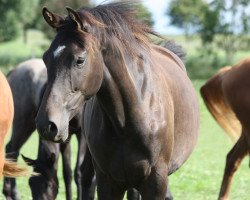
pixel 158 9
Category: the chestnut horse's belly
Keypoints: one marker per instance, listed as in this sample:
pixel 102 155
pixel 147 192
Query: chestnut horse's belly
pixel 6 115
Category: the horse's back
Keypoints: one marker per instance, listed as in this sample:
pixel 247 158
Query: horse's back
pixel 6 115
pixel 26 82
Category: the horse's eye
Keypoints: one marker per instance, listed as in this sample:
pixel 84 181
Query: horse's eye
pixel 80 61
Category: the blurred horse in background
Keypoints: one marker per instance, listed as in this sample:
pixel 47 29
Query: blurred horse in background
pixel 8 168
pixel 227 97
pixel 28 82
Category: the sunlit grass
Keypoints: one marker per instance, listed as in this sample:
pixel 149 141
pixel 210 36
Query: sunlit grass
pixel 16 51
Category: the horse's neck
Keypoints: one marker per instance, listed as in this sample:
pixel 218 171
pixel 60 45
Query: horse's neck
pixel 123 91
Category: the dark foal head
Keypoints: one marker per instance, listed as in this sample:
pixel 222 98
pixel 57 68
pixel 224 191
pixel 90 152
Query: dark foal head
pixel 45 185
pixel 75 71
pixel 86 41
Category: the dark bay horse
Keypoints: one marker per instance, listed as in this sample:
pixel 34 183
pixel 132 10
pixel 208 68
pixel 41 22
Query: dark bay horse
pixel 141 118
pixel 226 95
pixel 7 167
pixel 27 82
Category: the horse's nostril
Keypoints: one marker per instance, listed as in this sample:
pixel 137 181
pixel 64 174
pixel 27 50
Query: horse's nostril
pixel 52 128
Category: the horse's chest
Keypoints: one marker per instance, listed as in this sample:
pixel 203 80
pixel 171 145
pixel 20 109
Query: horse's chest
pixel 127 155
pixel 123 162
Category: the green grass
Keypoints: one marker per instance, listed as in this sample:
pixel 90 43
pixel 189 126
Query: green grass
pixel 16 51
pixel 198 179
pixel 201 175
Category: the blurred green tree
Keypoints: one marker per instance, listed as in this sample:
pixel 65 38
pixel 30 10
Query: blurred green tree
pixel 15 16
pixel 187 14
pixel 195 16
pixel 224 22
pixel 144 14
pixel 57 6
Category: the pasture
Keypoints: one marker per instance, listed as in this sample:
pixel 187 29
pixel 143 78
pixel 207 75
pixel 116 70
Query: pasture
pixel 198 179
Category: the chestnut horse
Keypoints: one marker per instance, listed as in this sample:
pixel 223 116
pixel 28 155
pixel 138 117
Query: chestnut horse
pixel 226 95
pixel 141 115
pixel 7 167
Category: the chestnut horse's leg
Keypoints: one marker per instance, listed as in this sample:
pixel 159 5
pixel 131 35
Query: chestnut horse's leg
pixel 234 158
pixel 22 130
pixel 65 149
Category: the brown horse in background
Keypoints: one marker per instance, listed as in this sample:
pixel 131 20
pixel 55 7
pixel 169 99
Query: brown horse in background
pixel 227 97
pixel 7 168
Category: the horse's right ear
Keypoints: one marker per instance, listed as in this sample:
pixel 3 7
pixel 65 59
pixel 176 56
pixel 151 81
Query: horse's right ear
pixel 29 161
pixel 54 20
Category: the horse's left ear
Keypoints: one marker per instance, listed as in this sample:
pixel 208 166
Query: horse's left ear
pixel 29 161
pixel 54 20
pixel 74 16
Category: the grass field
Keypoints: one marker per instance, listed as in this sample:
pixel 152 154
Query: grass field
pixel 16 51
pixel 198 179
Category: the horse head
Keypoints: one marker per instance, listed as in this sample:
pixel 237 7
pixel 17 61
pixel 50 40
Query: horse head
pixel 75 71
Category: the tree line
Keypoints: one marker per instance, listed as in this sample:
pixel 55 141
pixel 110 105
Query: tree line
pixel 223 23
pixel 17 16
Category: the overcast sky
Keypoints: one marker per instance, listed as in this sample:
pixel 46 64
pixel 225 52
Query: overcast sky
pixel 158 9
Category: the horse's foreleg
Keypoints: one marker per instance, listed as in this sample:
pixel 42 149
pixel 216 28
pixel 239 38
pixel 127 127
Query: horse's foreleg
pixel 169 195
pixel 133 194
pixel 67 172
pixel 107 188
pixel 87 171
pixel 80 157
pixel 155 186
pixel 234 158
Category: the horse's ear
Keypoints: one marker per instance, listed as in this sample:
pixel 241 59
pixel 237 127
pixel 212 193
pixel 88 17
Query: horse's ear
pixel 74 16
pixel 29 161
pixel 54 20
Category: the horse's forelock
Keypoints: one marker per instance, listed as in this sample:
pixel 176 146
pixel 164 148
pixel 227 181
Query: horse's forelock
pixel 114 20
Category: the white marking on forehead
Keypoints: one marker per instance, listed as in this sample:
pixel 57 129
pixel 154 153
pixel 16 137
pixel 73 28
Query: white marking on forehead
pixel 58 51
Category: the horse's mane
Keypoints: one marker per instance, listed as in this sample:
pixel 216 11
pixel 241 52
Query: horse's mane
pixel 175 48
pixel 115 24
